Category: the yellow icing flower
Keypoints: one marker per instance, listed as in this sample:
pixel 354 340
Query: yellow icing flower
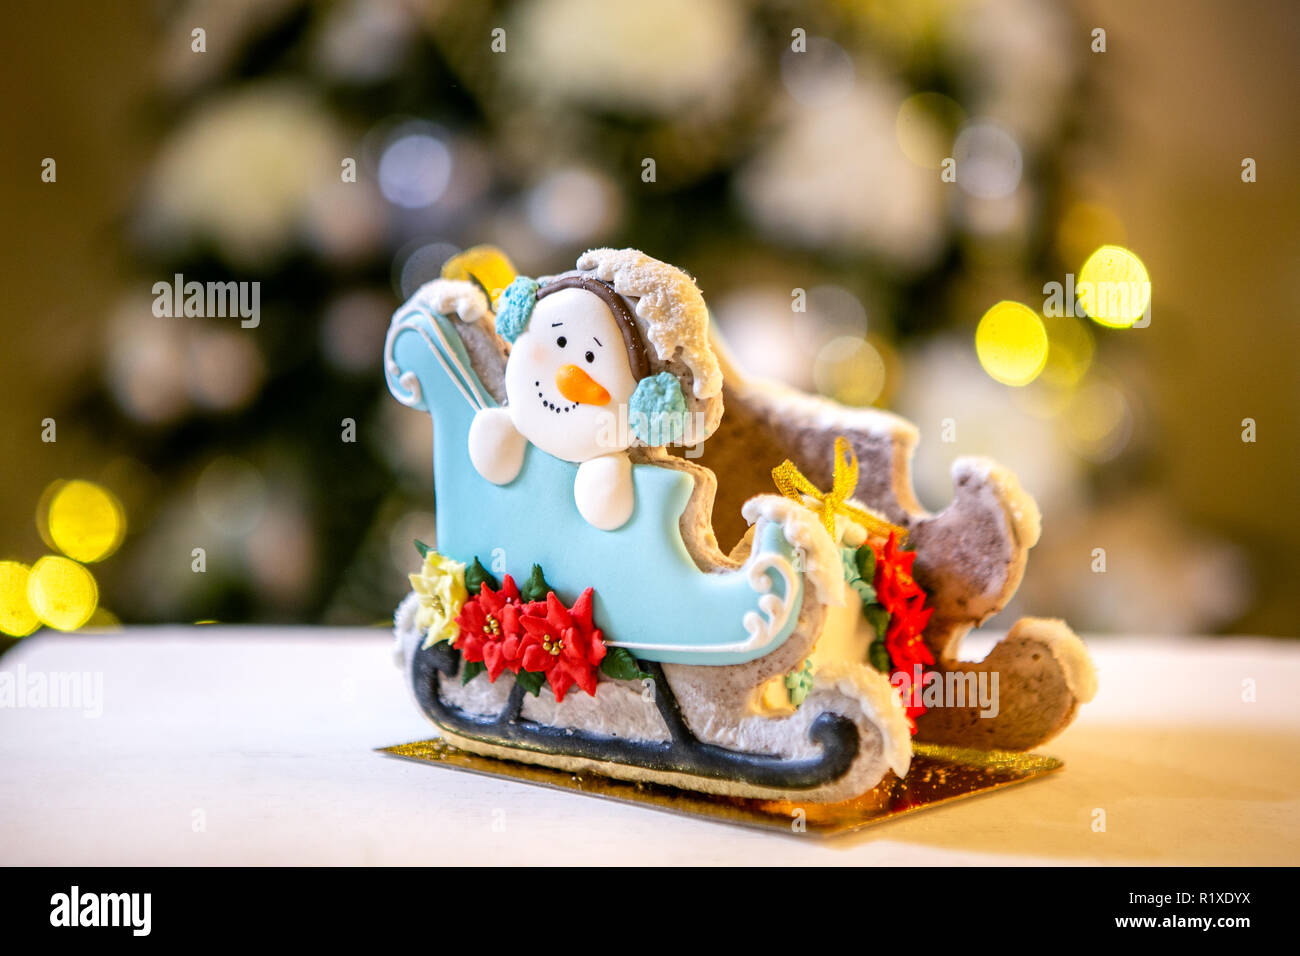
pixel 440 585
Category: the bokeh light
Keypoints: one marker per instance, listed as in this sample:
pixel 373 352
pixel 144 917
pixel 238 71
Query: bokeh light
pixel 226 369
pixel 573 205
pixel 926 125
pixel 820 75
pixel 231 496
pixel 1011 343
pixel 421 264
pixel 62 592
pixel 17 619
pixel 82 519
pixel 850 370
pixel 414 171
pixel 1113 287
pixel 989 163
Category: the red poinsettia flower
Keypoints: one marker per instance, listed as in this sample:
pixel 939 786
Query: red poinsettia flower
pixel 904 599
pixel 564 644
pixel 490 632
pixel 903 638
pixel 902 678
pixel 893 580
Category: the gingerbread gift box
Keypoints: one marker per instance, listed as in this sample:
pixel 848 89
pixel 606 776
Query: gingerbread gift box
pixel 577 612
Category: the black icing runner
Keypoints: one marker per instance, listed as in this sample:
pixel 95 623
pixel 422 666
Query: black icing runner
pixel 938 774
pixel 682 753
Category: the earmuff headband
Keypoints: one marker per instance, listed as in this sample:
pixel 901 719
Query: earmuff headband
pixel 637 358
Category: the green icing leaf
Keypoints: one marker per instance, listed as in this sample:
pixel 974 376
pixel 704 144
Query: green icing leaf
pixel 865 592
pixel 621 665
pixel 535 588
pixel 531 681
pixel 878 617
pixel 476 575
pixel 866 560
pixel 799 683
pixel 423 548
pixel 472 670
pixel 879 656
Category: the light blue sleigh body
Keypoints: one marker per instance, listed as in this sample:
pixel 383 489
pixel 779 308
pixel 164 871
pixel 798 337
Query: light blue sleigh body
pixel 650 595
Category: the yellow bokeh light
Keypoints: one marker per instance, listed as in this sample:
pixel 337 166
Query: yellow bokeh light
pixel 61 592
pixel 487 265
pixel 17 619
pixel 1113 287
pixel 1011 343
pixel 83 520
pixel 850 370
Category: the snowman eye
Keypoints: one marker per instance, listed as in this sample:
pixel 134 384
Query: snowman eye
pixel 561 341
pixel 590 357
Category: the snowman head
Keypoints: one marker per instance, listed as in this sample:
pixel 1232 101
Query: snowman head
pixel 576 362
pixel 600 357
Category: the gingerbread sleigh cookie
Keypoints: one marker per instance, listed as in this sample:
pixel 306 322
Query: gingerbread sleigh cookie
pixel 576 610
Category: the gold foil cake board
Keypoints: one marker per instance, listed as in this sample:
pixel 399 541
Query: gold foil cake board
pixel 938 775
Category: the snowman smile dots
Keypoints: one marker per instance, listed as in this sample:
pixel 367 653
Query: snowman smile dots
pixel 552 406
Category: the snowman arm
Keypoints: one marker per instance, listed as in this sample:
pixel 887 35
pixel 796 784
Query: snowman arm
pixel 496 448
pixel 603 491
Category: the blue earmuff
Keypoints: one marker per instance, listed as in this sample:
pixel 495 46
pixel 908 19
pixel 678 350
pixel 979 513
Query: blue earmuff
pixel 515 308
pixel 657 410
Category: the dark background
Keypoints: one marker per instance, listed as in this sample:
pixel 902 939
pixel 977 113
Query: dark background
pixel 774 171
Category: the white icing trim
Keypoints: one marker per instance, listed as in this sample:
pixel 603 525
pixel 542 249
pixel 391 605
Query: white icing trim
pixel 455 297
pixel 777 610
pixel 405 632
pixel 823 568
pixel 460 376
pixel 1067 649
pixel 408 380
pixel 669 302
pixel 880 703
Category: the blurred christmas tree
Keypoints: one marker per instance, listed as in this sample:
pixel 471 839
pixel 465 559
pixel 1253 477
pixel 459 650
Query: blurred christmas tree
pixel 791 156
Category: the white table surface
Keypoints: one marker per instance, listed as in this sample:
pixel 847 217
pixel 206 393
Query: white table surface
pixel 266 737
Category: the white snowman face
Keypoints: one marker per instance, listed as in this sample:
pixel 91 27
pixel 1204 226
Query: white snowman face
pixel 567 375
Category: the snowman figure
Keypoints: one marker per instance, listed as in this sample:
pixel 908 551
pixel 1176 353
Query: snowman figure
pixel 578 386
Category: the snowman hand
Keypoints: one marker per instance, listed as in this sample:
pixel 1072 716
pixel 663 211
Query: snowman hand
pixel 603 491
pixel 496 448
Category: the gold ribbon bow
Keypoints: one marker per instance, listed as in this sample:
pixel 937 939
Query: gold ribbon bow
pixel 792 483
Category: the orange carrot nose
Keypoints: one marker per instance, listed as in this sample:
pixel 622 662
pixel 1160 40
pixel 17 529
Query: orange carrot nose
pixel 577 386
